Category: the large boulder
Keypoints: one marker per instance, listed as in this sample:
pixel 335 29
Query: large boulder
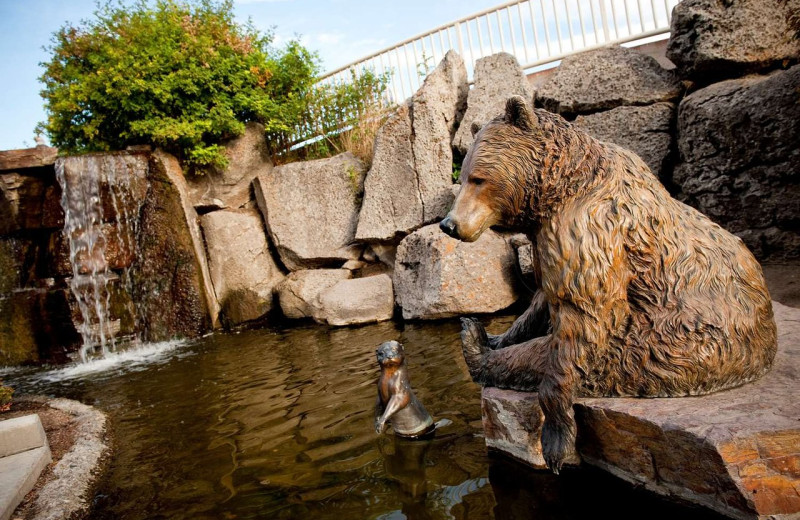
pixel 736 452
pixel 606 78
pixel 645 130
pixel 358 300
pixel 409 182
pixel 437 276
pixel 299 292
pixel 230 187
pixel 311 210
pixel 242 268
pixel 711 40
pixel 739 143
pixel 497 78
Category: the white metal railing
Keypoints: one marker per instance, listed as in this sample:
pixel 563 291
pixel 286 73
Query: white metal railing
pixel 536 32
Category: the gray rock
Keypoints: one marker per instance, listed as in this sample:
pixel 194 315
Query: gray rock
pixel 645 130
pixel 359 300
pixel 299 292
pixel 606 78
pixel 311 209
pixel 711 40
pixel 437 276
pixel 248 157
pixel 734 452
pixel 242 268
pixel 409 182
pixel 497 78
pixel 739 143
pixel 437 108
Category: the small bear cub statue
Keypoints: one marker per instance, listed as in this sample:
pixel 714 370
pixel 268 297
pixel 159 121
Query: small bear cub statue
pixel 396 404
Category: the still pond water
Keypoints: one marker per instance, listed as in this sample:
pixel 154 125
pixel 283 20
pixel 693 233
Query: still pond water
pixel 278 423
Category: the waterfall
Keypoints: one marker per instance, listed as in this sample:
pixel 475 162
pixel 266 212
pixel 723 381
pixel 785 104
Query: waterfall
pixel 100 224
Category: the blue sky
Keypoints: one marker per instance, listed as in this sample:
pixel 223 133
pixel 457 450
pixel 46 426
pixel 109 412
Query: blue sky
pixel 340 30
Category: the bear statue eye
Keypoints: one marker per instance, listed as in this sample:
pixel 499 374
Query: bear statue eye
pixel 476 181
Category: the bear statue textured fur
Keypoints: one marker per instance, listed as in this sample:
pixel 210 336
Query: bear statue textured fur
pixel 640 295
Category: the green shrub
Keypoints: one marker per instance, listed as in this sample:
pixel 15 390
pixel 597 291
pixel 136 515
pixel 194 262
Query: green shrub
pixel 181 75
pixel 5 397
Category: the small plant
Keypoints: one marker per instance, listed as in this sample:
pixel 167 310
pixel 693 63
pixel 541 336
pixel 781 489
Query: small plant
pixel 5 397
pixel 456 172
pixel 424 67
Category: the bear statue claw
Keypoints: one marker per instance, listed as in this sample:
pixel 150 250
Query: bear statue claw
pixel 474 343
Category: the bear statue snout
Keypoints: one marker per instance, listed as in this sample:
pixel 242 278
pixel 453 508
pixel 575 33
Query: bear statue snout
pixel 449 227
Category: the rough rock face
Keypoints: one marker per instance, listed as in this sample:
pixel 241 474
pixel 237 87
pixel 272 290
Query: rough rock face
pixel 736 451
pixel 359 300
pixel 311 209
pixel 739 143
pixel 242 268
pixel 711 40
pixel 299 292
pixel 29 202
pixel 172 169
pixel 230 188
pixel 409 182
pixel 645 130
pixel 167 273
pixel 497 78
pixel 606 78
pixel 437 276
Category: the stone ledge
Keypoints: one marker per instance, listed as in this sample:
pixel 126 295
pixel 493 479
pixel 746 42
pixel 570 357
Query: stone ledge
pixel 736 452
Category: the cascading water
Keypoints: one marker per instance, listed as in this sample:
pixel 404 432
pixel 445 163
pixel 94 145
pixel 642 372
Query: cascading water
pixel 100 225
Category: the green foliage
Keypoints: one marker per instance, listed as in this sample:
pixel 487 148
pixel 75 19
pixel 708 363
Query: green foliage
pixel 456 172
pixel 182 75
pixel 5 396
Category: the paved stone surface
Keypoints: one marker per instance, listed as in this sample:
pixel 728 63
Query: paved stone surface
pixel 359 300
pixel 737 451
pixel 437 276
pixel 645 130
pixel 711 40
pixel 606 78
pixel 497 78
pixel 241 264
pixel 739 143
pixel 18 475
pixel 311 209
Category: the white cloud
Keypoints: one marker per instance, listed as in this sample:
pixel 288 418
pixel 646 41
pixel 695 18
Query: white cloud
pixel 329 38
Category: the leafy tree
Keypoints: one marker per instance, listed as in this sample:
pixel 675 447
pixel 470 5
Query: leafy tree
pixel 179 74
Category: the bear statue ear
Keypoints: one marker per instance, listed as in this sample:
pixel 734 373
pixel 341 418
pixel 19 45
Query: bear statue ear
pixel 475 127
pixel 518 114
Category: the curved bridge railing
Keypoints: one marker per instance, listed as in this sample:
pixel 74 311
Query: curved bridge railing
pixel 537 32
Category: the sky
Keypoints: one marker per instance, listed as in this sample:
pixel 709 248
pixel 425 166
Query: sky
pixel 340 30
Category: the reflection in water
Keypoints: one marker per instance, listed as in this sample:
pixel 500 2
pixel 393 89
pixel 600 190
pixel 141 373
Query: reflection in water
pixel 278 423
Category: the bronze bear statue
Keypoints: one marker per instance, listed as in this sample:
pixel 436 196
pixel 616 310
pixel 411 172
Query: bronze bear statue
pixel 640 294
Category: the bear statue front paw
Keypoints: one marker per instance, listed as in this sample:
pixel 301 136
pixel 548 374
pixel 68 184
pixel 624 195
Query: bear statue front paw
pixel 558 446
pixel 475 344
pixel 380 426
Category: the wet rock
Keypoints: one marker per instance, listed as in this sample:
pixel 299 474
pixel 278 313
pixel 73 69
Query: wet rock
pixel 437 276
pixel 497 78
pixel 167 273
pixel 734 451
pixel 172 170
pixel 739 143
pixel 248 157
pixel 299 292
pixel 645 130
pixel 358 300
pixel 712 40
pixel 311 209
pixel 29 202
pixel 241 265
pixel 409 182
pixel 527 261
pixel 606 78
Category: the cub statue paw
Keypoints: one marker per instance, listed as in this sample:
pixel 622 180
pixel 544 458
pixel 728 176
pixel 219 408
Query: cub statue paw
pixel 475 345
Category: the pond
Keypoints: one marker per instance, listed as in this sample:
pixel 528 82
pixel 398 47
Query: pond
pixel 278 423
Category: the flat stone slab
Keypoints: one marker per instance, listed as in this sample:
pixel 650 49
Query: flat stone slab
pixel 24 453
pixel 736 452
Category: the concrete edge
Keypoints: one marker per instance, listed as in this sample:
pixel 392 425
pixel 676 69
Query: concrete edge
pixel 34 460
pixel 69 493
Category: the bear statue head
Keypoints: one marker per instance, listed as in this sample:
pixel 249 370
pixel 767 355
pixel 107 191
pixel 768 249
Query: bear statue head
pixel 496 174
pixel 390 353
